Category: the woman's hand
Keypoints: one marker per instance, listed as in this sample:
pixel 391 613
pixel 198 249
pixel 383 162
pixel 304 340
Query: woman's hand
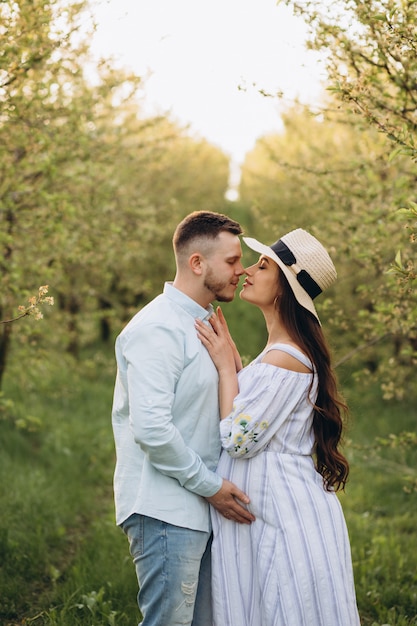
pixel 216 338
pixel 236 355
pixel 220 345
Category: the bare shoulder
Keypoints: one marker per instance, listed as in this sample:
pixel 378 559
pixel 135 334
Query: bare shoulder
pixel 282 359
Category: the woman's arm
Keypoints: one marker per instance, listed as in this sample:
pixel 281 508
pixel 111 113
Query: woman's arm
pixel 267 401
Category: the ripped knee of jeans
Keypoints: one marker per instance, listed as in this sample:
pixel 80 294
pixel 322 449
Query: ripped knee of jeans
pixel 189 590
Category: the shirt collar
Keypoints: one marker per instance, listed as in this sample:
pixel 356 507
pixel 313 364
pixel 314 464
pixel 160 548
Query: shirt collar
pixel 188 304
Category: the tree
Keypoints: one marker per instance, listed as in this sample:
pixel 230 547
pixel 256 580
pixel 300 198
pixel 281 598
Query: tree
pixel 370 52
pixel 31 62
pixel 371 55
pixel 90 188
pixel 329 174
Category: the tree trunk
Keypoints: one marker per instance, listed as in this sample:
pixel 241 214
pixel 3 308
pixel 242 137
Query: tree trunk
pixel 6 331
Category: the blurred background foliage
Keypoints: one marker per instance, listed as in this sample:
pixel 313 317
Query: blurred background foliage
pixel 91 190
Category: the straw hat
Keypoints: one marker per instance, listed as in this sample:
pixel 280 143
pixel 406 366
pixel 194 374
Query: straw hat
pixel 305 263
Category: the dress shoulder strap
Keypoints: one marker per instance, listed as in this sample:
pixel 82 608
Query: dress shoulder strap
pixel 292 351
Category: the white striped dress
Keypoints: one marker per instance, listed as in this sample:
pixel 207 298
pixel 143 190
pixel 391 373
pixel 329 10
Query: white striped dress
pixel 292 566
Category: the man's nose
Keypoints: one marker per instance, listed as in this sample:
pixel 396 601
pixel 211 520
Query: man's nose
pixel 240 270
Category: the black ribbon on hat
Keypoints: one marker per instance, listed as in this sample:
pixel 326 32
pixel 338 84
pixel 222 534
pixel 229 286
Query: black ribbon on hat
pixel 306 281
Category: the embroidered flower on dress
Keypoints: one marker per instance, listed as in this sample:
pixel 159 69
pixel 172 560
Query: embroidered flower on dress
pixel 246 432
pixel 243 421
pixel 238 440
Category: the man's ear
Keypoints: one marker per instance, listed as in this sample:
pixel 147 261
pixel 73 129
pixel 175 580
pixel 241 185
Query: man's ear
pixel 195 262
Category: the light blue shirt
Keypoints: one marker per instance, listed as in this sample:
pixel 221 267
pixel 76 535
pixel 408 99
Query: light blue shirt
pixel 166 415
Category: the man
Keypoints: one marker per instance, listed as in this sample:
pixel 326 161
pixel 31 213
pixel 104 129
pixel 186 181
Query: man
pixel 166 428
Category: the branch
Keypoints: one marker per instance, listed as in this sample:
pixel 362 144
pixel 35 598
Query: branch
pixel 352 353
pixel 14 319
pixel 33 307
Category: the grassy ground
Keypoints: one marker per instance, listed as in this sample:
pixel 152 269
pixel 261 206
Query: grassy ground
pixel 380 505
pixel 64 563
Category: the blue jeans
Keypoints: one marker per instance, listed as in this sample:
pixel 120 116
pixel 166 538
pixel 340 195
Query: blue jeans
pixel 173 567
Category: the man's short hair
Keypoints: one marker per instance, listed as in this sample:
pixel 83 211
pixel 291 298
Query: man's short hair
pixel 202 225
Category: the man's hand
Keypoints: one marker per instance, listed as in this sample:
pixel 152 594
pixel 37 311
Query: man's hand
pixel 228 501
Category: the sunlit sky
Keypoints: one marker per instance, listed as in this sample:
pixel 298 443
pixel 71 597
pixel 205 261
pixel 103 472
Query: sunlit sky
pixel 207 61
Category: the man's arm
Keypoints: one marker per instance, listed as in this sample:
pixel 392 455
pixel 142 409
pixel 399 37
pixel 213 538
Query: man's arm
pixel 154 357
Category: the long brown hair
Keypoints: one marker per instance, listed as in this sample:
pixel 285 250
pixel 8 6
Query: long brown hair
pixel 329 409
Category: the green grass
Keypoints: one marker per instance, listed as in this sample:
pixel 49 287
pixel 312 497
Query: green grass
pixel 380 506
pixel 62 559
pixel 63 562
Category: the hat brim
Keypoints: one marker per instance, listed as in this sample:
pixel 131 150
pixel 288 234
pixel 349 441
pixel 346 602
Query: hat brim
pixel 301 296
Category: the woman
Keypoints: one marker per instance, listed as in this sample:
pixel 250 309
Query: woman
pixel 281 424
